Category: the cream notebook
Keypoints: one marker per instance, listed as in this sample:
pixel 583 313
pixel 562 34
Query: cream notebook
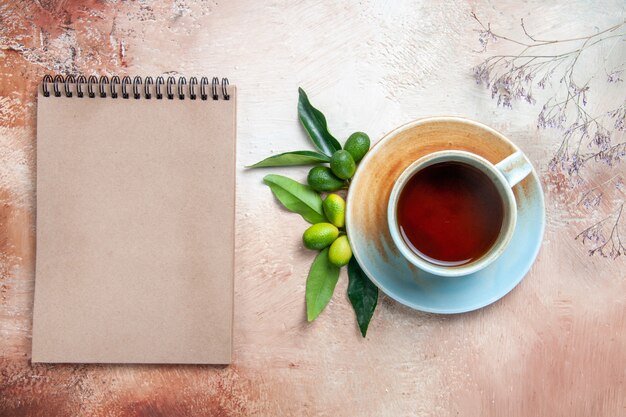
pixel 135 220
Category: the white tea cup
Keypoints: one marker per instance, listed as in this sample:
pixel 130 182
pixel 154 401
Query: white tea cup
pixel 503 175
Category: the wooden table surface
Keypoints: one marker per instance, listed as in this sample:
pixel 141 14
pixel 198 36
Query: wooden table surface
pixel 555 346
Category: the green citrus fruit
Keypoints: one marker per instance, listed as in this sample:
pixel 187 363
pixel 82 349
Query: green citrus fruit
pixel 323 179
pixel 342 164
pixel 357 144
pixel 340 252
pixel 319 236
pixel 335 209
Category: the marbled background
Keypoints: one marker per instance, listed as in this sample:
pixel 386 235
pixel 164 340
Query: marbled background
pixel 555 346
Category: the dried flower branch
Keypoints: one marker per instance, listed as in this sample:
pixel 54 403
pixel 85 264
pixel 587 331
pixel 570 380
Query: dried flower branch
pixel 592 198
pixel 610 247
pixel 586 137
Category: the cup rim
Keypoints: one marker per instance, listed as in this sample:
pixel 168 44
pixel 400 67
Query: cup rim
pixel 492 254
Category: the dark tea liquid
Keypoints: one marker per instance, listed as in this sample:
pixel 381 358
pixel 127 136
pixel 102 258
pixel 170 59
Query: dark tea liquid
pixel 450 213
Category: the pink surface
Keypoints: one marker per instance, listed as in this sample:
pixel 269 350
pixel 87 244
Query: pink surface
pixel 554 346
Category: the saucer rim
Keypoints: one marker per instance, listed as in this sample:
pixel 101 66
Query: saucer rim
pixel 530 259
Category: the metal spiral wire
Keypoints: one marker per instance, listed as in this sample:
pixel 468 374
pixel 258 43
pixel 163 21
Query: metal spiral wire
pixel 71 86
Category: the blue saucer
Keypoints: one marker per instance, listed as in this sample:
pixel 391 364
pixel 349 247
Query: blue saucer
pixel 382 262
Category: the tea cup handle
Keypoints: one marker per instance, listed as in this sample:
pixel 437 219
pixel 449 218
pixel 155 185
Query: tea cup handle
pixel 515 167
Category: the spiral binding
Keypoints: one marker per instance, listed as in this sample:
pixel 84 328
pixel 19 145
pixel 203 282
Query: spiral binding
pixel 109 87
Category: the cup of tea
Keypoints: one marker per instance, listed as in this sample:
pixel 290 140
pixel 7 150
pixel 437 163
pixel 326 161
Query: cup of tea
pixel 452 213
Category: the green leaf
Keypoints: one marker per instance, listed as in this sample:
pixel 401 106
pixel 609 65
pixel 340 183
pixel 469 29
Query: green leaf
pixel 320 284
pixel 315 124
pixel 363 295
pixel 297 197
pixel 291 159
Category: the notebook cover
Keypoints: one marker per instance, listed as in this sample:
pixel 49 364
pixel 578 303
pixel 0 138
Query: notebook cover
pixel 135 230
